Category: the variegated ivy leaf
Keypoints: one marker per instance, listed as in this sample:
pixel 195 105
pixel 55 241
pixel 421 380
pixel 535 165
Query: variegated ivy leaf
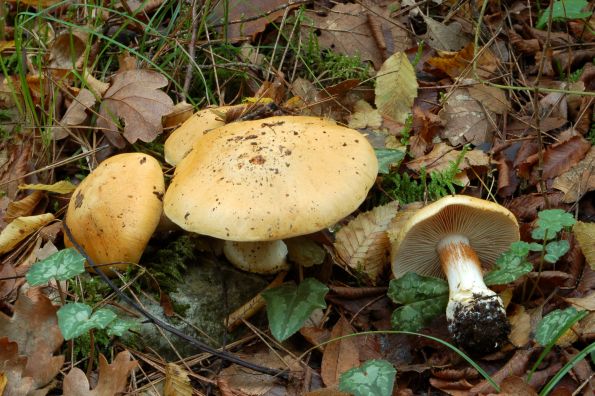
pixel 61 265
pixel 75 319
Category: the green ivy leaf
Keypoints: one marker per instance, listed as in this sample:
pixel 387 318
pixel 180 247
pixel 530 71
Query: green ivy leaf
pixel 388 158
pixel 61 265
pixel 554 324
pixel 374 377
pixel 556 249
pixel 508 268
pixel 75 319
pixel 289 306
pixel 423 297
pixel 550 222
pixel 563 10
pixel 119 326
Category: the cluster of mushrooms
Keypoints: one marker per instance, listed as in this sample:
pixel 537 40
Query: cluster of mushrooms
pixel 255 183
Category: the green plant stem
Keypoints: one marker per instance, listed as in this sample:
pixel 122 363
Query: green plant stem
pixel 454 348
pixel 564 370
pixel 540 269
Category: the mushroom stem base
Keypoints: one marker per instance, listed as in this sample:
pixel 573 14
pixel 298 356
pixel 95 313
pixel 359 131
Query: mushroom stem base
pixel 476 316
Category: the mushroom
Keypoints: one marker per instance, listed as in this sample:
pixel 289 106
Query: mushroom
pixel 458 234
pixel 180 142
pixel 114 211
pixel 265 180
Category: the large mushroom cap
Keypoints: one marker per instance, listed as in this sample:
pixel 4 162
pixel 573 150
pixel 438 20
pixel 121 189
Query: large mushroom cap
pixel 490 228
pixel 114 211
pixel 180 142
pixel 271 179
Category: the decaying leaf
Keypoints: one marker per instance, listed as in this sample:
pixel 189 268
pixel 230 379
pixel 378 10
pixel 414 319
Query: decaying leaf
pixel 67 50
pixel 520 324
pixel 135 98
pixel 34 327
pixel 396 71
pixel 252 383
pixel 587 302
pixel 347 31
pixel 467 121
pixel 76 114
pixel 177 382
pixel 12 367
pixel 458 65
pixel 365 116
pixel 443 155
pixel 585 234
pixel 20 228
pixel 560 157
pixel 579 180
pixel 493 98
pixel 112 377
pixel 61 187
pixel 363 244
pixel 23 207
pixel 340 355
pixel 445 37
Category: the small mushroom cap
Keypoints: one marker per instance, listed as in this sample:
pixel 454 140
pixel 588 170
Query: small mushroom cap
pixel 271 179
pixel 180 142
pixel 490 228
pixel 116 208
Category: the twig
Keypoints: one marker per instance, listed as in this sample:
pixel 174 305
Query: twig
pixel 230 357
pixel 191 48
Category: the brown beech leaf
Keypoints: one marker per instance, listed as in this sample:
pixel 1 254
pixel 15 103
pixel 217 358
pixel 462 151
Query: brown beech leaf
pixel 347 31
pixel 585 234
pixel 561 156
pixel 587 302
pixel 454 388
pixel 7 280
pixel 112 377
pixel 363 245
pixel 34 327
pixel 466 119
pixel 579 180
pixel 516 386
pixel 76 113
pixel 23 207
pixel 426 125
pixel 517 365
pixel 458 64
pixel 494 99
pixel 135 98
pixel 520 326
pixel 442 155
pixel 12 367
pixel 339 356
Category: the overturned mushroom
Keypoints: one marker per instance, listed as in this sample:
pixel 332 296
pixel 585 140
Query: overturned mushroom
pixel 458 234
pixel 114 211
pixel 269 179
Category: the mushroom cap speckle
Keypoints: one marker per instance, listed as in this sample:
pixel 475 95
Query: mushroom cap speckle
pixel 116 208
pixel 180 142
pixel 271 179
pixel 490 228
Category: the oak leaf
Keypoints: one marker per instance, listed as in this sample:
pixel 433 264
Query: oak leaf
pixel 112 377
pixel 135 98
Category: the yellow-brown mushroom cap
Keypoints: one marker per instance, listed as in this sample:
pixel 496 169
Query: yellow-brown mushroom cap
pixel 116 208
pixel 179 143
pixel 270 179
pixel 490 228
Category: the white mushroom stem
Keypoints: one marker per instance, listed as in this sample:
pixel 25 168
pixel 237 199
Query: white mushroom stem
pixel 258 257
pixel 474 312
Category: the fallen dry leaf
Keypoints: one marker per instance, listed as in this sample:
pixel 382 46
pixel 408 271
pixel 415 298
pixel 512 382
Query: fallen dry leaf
pixel 68 49
pixel 20 228
pixel 579 180
pixel 7 281
pixel 517 365
pixel 76 114
pixel 35 313
pixel 466 120
pixel 112 377
pixel 445 37
pixel 12 367
pixel 346 30
pixel 61 187
pixel 492 98
pixel 23 207
pixel 560 157
pixel 581 303
pixel 454 388
pixel 585 234
pixel 135 98
pixel 458 64
pixel 396 71
pixel 516 386
pixel 442 156
pixel 363 244
pixel 364 116
pixel 177 382
pixel 339 356
pixel 520 326
pixel 15 164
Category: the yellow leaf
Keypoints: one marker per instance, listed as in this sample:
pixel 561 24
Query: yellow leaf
pixel 364 116
pixel 61 187
pixel 396 87
pixel 585 234
pixel 23 207
pixel 20 228
pixel 4 45
pixel 176 381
